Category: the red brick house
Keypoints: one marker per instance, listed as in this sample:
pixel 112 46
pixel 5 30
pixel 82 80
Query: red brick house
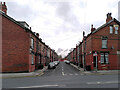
pixel 102 45
pixel 22 49
pixel 18 45
pixel 101 48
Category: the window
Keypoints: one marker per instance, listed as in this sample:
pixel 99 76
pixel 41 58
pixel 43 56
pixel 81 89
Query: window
pixel 32 58
pixel 104 58
pixel 111 30
pixel 39 60
pixel 116 29
pixel 32 43
pixel 104 43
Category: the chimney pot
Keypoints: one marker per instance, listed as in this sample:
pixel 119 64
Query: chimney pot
pixel 4 3
pixel 83 33
pixel 30 28
pixel 92 26
pixel 92 29
pixel 3 7
pixel 109 17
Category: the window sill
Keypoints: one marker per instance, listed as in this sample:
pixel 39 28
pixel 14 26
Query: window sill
pixel 104 63
pixel 104 48
pixel 31 48
pixel 111 33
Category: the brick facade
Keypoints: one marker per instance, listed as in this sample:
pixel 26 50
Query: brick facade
pixel 15 47
pixel 107 58
pixel 22 49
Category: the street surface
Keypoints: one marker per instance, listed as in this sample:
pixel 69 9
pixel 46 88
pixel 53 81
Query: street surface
pixel 64 76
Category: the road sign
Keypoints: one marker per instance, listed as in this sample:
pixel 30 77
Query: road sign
pixel 95 54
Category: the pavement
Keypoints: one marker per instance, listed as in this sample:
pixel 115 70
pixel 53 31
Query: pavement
pixel 29 74
pixel 41 72
pixel 63 76
pixel 99 72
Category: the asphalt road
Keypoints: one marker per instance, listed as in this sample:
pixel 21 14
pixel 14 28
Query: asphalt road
pixel 64 76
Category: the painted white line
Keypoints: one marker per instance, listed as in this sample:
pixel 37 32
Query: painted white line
pixel 93 82
pixel 76 74
pixel 39 86
pixel 62 69
pixel 108 82
pixel 63 73
pixel 111 82
pixel 70 74
pixel 98 82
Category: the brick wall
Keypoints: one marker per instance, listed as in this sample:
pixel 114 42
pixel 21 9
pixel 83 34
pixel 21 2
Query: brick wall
pixel 15 47
pixel 94 43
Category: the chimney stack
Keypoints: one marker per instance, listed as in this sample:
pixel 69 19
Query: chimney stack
pixel 109 17
pixel 92 29
pixel 3 7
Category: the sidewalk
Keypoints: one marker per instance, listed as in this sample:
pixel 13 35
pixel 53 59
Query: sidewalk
pixel 29 74
pixel 99 72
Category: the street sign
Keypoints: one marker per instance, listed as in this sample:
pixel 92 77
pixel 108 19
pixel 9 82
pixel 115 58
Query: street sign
pixel 95 54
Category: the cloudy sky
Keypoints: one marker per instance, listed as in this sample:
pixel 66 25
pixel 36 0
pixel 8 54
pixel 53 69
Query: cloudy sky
pixel 60 23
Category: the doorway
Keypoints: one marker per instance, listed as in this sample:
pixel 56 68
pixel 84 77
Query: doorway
pixel 94 61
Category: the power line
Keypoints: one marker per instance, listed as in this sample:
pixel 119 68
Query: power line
pixel 49 19
pixel 62 40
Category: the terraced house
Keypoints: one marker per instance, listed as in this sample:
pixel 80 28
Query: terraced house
pixel 22 49
pixel 101 48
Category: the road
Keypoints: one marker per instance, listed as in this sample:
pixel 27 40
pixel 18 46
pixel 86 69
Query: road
pixel 64 76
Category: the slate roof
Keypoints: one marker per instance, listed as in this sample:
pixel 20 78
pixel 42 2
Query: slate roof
pixel 20 23
pixel 104 25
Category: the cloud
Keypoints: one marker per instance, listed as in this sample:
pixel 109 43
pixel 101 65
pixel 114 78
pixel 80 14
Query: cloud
pixel 61 23
pixel 20 12
pixel 64 11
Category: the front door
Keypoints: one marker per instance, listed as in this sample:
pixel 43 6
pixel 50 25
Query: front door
pixel 94 61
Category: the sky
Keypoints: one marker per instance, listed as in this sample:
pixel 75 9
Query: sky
pixel 61 23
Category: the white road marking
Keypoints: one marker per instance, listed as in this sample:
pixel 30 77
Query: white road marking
pixel 39 86
pixel 108 82
pixel 63 73
pixel 112 82
pixel 76 74
pixel 98 82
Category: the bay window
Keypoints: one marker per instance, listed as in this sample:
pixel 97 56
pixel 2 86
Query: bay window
pixel 104 58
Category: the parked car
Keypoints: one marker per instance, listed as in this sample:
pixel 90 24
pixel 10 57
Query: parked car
pixel 67 62
pixel 56 62
pixel 51 65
